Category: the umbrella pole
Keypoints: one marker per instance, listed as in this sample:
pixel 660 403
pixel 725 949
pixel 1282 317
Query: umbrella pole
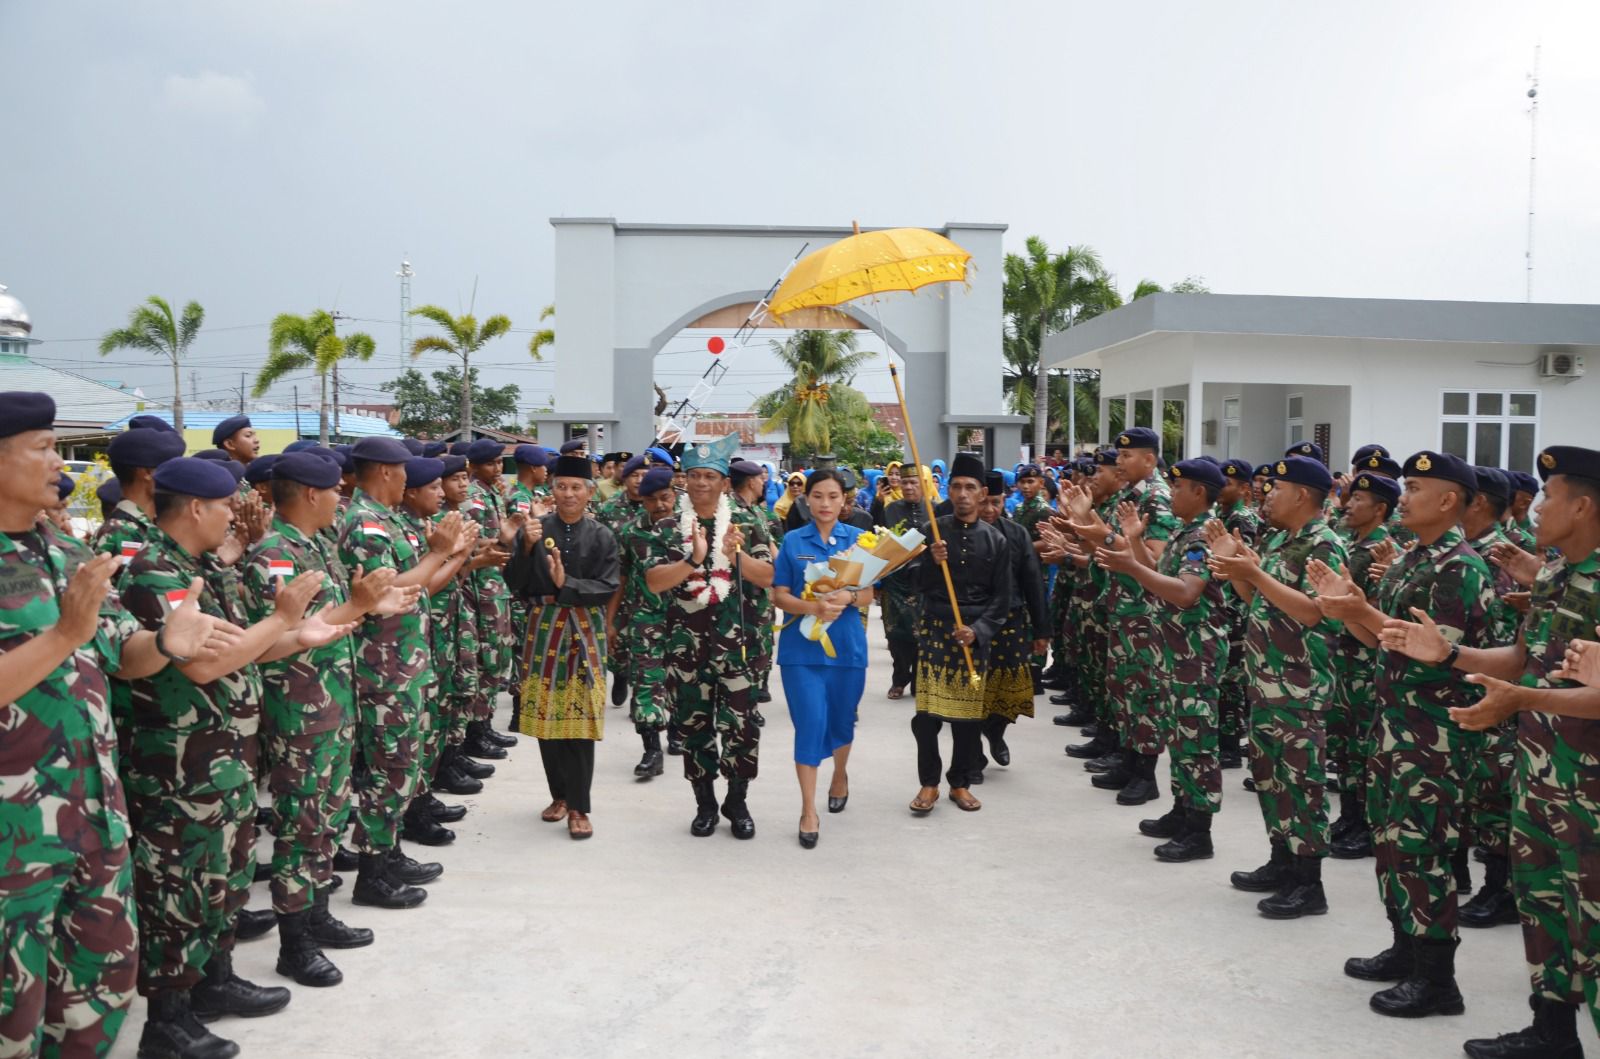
pixel 933 523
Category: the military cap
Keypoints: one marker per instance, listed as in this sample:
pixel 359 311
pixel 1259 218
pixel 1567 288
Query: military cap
pixel 459 448
pixel 1262 471
pixel 149 422
pixel 342 449
pixel 847 479
pixel 420 470
pixel 576 445
pixel 299 445
pixel 1385 489
pixel 144 447
pixel 1366 452
pixel 1302 470
pixel 379 450
pixel 967 465
pixel 1106 457
pixel 23 410
pixel 661 456
pixel 434 449
pixel 228 428
pixel 1443 466
pixel 1210 459
pixel 216 455
pixel 347 462
pixel 531 455
pixel 453 464
pixel 1492 481
pixel 1308 449
pixel 191 476
pixel 1237 470
pixel 413 445
pixel 743 471
pixel 1523 482
pixel 1379 464
pixel 995 483
pixel 307 468
pixel 1029 471
pixel 635 463
pixel 260 469
pixel 1197 470
pixel 484 450
pixel 655 480
pixel 573 467
pixel 235 468
pixel 1139 438
pixel 619 457
pixel 713 455
pixel 109 494
pixel 1084 465
pixel 65 485
pixel 1570 460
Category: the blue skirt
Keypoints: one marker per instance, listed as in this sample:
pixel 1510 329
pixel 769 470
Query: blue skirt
pixel 822 705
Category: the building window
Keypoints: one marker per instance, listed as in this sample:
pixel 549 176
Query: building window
pixel 1296 419
pixel 1491 428
pixel 1230 427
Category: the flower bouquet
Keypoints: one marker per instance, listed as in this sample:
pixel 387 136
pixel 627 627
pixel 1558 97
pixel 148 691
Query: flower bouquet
pixel 874 556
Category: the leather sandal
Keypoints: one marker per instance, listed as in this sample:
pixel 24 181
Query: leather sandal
pixel 964 800
pixel 578 825
pixel 556 812
pixel 897 693
pixel 925 801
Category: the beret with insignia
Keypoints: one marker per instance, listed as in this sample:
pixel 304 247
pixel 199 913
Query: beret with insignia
pixel 1570 460
pixel 1138 438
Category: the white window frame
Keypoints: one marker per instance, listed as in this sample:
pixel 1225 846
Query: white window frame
pixel 1505 420
pixel 1230 424
pixel 1290 422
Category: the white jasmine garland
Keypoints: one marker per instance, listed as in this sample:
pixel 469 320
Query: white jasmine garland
pixel 700 583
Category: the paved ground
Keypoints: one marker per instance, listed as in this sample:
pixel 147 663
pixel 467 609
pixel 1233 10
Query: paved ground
pixel 1039 926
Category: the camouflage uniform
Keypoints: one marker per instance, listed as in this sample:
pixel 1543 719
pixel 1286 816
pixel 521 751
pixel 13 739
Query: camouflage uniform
pixel 308 716
pixel 1089 646
pixel 454 622
pixel 394 677
pixel 642 618
pixel 519 501
pixel 435 718
pixel 1130 643
pixel 1352 720
pixel 1194 648
pixel 1233 709
pixel 1290 668
pixel 66 884
pixel 495 648
pixel 1488 816
pixel 1423 760
pixel 758 608
pixel 124 532
pixel 190 771
pixel 1028 515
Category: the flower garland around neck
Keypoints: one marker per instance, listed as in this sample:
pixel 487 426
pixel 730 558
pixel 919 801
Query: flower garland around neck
pixel 708 588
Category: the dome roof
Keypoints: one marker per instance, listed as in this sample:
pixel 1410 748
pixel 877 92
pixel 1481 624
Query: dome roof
pixel 14 319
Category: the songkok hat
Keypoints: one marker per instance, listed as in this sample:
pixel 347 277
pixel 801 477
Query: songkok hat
pixel 995 483
pixel 968 465
pixel 573 467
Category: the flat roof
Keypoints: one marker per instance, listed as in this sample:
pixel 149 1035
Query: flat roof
pixel 763 229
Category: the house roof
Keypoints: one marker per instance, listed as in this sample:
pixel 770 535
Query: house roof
pixel 355 426
pixel 1393 319
pixel 79 401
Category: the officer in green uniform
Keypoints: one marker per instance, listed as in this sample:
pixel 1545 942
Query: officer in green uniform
pixel 1239 516
pixel 134 456
pixel 744 492
pixel 638 616
pixel 457 773
pixel 1089 625
pixel 486 505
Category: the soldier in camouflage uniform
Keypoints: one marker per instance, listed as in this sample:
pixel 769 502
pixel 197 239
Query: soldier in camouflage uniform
pixel 1239 516
pixel 1288 652
pixel 713 655
pixel 486 505
pixel 744 492
pixel 620 509
pixel 1033 510
pixel 529 497
pixel 638 616
pixel 134 455
pixel 1422 762
pixel 457 645
pixel 1089 625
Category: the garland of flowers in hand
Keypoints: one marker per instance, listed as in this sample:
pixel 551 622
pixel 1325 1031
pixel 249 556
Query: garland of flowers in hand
pixel 708 587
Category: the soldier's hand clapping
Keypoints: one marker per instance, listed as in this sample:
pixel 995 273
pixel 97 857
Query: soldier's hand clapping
pixel 1581 662
pixel 81 602
pixel 190 632
pixel 509 527
pixel 1420 639
pixel 1500 700
pixel 1518 601
pixel 1337 596
pixel 366 589
pixel 1523 566
pixel 1383 556
pixel 446 534
pixel 397 600
pixel 1117 558
pixel 1128 518
pixel 316 632
pixel 1238 563
pixel 293 599
pixel 1220 541
pixel 1078 502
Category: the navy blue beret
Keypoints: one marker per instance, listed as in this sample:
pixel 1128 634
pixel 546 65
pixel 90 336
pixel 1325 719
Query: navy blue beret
pixel 1492 481
pixel 1303 470
pixel 307 468
pixel 1523 482
pixel 1203 471
pixel 1238 470
pixel 1030 471
pixel 637 463
pixel 109 494
pixel 191 476
pixel 300 445
pixel 260 469
pixel 1138 438
pixel 655 480
pixel 434 449
pixel 1377 463
pixel 1211 460
pixel 23 410
pixel 228 428
pixel 1569 459
pixel 216 455
pixel 1308 449
pixel 379 450
pixel 1105 457
pixel 575 445
pixel 459 448
pixel 347 462
pixel 453 464
pixel 235 468
pixel 147 422
pixel 341 448
pixel 1385 489
pixel 65 485
pixel 1443 466
pixel 413 446
pixel 484 450
pixel 743 470
pixel 1263 471
pixel 144 447
pixel 531 455
pixel 1366 452
pixel 420 470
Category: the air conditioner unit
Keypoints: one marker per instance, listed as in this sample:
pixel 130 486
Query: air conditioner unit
pixel 1561 366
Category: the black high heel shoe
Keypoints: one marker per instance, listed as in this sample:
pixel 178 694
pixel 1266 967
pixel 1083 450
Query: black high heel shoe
pixel 836 805
pixel 808 839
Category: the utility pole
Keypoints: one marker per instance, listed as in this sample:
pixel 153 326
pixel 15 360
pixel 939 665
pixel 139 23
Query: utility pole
pixel 241 393
pixel 297 413
pixel 1533 157
pixel 337 316
pixel 194 388
pixel 405 275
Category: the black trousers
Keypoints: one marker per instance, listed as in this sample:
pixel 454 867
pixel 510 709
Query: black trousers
pixel 569 769
pixel 966 747
pixel 904 655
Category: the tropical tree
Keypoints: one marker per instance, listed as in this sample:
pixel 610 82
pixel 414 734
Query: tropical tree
pixel 819 396
pixel 299 342
pixel 463 336
pixel 544 336
pixel 152 328
pixel 432 407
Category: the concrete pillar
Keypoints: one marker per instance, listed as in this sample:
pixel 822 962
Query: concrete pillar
pixel 1193 410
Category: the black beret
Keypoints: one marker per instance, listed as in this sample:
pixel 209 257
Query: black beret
pixel 1263 471
pixel 1308 449
pixel 1523 482
pixel 1492 481
pixel 413 446
pixel 1569 459
pixel 575 445
pixel 485 450
pixel 453 464
pixel 531 455
pixel 1385 489
pixel 215 455
pixel 420 470
pixel 968 465
pixel 23 410
pixel 1366 452
pixel 743 470
pixel 655 480
pixel 65 485
pixel 459 448
pixel 995 483
pixel 347 462
pixel 307 468
pixel 620 457
pixel 573 467
pixel 379 450
pixel 1238 470
pixel 109 494
pixel 260 469
pixel 228 428
pixel 635 463
pixel 1105 457
pixel 1202 471
pixel 1378 463
pixel 149 422
pixel 1303 470
pixel 434 449
pixel 144 447
pixel 1443 466
pixel 1139 438
pixel 191 476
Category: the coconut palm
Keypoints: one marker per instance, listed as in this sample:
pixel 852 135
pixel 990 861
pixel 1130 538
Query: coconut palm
pixel 463 337
pixel 544 336
pixel 299 342
pixel 152 328
pixel 824 364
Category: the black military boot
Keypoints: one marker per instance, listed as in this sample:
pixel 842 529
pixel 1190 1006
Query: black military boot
pixel 1143 787
pixel 501 739
pixel 1166 825
pixel 674 741
pixel 403 869
pixel 1461 865
pixel 1430 988
pixel 758 717
pixel 450 779
pixel 515 723
pixel 707 812
pixel 1302 896
pixel 441 811
pixel 420 826
pixel 374 886
pixel 1493 904
pixel 479 745
pixel 1076 717
pixel 653 763
pixel 1393 964
pixel 346 859
pixel 171 1031
pixel 1229 753
pixel 221 992
pixel 619 690
pixel 1270 876
pixel 1114 771
pixel 1092 750
pixel 332 933
pixel 298 955
pixel 1192 842
pixel 252 925
pixel 1553 1035
pixel 738 814
pixel 471 767
pixel 1350 816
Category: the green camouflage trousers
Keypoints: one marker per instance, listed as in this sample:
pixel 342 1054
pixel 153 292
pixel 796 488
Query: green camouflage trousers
pixel 1555 874
pixel 69 962
pixel 1233 706
pixel 193 862
pixel 1193 746
pixel 1087 654
pixel 433 725
pixel 393 756
pixel 496 653
pixel 1061 614
pixel 643 645
pixel 1131 658
pixel 1415 803
pixel 1352 715
pixel 1488 818
pixel 1288 739
pixel 344 800
pixel 306 799
pixel 711 706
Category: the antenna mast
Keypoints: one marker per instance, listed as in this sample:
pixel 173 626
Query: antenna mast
pixel 405 275
pixel 1533 157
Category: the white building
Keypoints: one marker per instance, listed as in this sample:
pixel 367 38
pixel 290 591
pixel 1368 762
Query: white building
pixel 83 406
pixel 1492 382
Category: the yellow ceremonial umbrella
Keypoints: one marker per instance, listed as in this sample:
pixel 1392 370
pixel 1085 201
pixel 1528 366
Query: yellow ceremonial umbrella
pixel 895 259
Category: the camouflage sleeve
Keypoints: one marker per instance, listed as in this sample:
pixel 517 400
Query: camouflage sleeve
pixel 1160 524
pixel 256 584
pixel 1193 560
pixel 757 541
pixel 366 549
pixel 149 594
pixel 1330 550
pixel 1459 602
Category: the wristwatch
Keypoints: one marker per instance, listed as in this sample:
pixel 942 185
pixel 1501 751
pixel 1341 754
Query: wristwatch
pixel 1111 540
pixel 854 592
pixel 161 648
pixel 1449 660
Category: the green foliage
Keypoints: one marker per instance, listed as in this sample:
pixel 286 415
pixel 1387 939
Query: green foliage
pixel 463 336
pixel 819 400
pixel 432 407
pixel 872 447
pixel 152 328
pixel 542 337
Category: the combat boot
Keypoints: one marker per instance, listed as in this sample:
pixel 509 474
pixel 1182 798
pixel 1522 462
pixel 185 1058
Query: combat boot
pixel 1142 787
pixel 440 811
pixel 450 779
pixel 1167 825
pixel 298 955
pixel 171 1031
pixel 1430 988
pixel 1355 845
pixel 1553 1035
pixel 737 812
pixel 501 739
pixel 1093 749
pixel 1270 876
pixel 478 744
pixel 1192 842
pixel 221 992
pixel 515 722
pixel 471 767
pixel 1461 866
pixel 1393 964
pixel 674 741
pixel 403 869
pixel 346 859
pixel 1350 816
pixel 619 690
pixel 1494 904
pixel 252 925
pixel 419 825
pixel 653 763
pixel 331 933
pixel 1229 754
pixel 1302 896
pixel 374 886
pixel 707 812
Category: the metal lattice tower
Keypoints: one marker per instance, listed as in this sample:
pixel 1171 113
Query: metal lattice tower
pixel 405 275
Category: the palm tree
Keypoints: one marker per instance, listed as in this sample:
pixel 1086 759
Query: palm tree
pixel 824 364
pixel 463 337
pixel 544 336
pixel 153 329
pixel 299 342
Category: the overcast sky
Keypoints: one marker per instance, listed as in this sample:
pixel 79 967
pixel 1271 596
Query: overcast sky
pixel 264 158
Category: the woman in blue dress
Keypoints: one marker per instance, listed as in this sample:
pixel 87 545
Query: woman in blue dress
pixel 823 691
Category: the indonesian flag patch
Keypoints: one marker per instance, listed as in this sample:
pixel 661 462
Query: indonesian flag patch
pixel 173 599
pixel 129 550
pixel 411 538
pixel 375 529
pixel 474 504
pixel 280 568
